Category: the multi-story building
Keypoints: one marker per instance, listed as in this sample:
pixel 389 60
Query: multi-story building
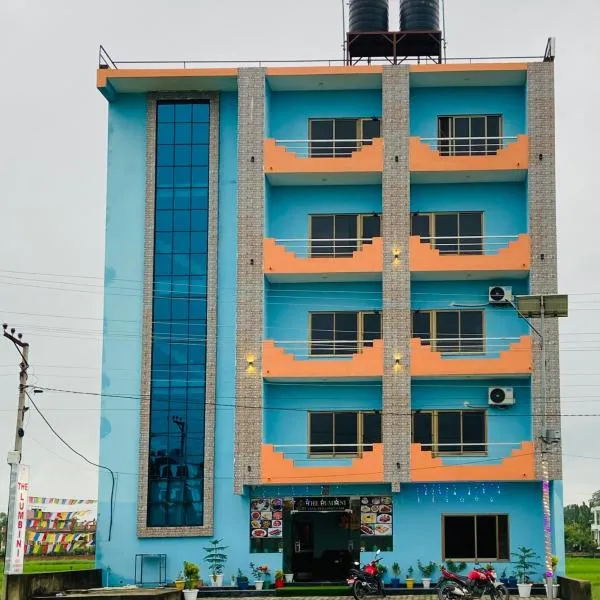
pixel 596 524
pixel 308 350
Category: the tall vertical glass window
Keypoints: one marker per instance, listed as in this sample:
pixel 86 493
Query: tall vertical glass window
pixel 176 456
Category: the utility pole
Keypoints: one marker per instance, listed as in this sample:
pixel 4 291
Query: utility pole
pixel 17 502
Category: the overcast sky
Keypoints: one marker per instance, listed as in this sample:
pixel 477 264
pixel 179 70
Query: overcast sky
pixel 53 171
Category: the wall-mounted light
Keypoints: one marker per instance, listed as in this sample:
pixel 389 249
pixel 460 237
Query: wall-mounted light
pixel 397 362
pixel 396 256
pixel 250 360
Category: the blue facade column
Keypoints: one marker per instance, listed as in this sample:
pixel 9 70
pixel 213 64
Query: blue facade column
pixel 558 524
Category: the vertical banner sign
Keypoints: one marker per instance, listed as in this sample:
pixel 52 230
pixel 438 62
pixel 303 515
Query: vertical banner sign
pixel 17 525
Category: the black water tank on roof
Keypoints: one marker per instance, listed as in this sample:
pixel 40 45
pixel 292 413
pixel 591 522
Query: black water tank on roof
pixel 368 15
pixel 419 15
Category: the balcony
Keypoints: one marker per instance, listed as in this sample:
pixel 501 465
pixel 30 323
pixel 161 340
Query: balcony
pixel 518 466
pixel 472 257
pixel 448 160
pixel 317 162
pixel 474 358
pixel 298 260
pixel 295 360
pixel 276 468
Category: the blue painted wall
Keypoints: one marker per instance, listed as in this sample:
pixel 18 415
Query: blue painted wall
pixel 286 408
pixel 558 524
pixel 504 205
pixel 289 208
pixel 426 104
pixel 512 424
pixel 499 321
pixel 290 111
pixel 288 305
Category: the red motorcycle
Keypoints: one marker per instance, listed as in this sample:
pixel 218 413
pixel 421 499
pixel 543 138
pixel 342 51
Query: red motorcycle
pixel 366 581
pixel 477 583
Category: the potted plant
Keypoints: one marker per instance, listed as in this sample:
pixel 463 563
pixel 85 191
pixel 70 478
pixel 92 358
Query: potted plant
pixel 555 586
pixel 382 571
pixel 279 578
pixel 180 581
pixel 504 577
pixel 455 567
pixel 216 559
pixel 191 572
pixel 524 566
pixel 395 582
pixel 241 580
pixel 259 573
pixel 289 577
pixel 426 572
pixel 410 582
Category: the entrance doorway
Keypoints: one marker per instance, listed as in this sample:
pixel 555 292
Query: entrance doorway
pixel 324 545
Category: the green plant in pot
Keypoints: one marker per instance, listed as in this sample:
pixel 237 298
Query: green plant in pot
pixel 426 572
pixel 555 586
pixel 216 559
pixel 191 574
pixel 241 580
pixel 455 567
pixel 525 564
pixel 410 582
pixel 381 571
pixel 395 583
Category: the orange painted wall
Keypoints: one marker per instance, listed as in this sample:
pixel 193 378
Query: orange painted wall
pixel 369 159
pixel 368 259
pixel 519 466
pixel 517 360
pixel 515 257
pixel 279 363
pixel 466 68
pixel 275 468
pixel 426 159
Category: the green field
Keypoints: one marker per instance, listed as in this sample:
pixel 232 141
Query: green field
pixel 41 566
pixel 586 568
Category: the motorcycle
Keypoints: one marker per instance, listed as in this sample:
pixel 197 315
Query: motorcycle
pixel 365 581
pixel 477 583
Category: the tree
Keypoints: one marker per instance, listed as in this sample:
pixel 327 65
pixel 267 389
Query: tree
pixel 3 524
pixel 578 513
pixel 595 499
pixel 579 538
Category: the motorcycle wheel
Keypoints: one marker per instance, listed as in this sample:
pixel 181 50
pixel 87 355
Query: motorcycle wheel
pixel 443 593
pixel 358 590
pixel 501 593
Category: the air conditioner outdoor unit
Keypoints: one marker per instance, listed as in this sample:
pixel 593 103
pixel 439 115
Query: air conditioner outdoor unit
pixel 498 396
pixel 500 295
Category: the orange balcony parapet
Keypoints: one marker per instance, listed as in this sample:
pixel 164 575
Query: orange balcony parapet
pixel 426 259
pixel 277 363
pixel 367 159
pixel 519 466
pixel 278 261
pixel 516 360
pixel 513 157
pixel 276 468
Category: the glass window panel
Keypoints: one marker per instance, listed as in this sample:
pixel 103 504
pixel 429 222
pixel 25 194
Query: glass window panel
pixel 371 128
pixel 164 177
pixel 181 220
pixel 200 111
pixel 179 310
pixel 163 220
pixel 478 134
pixel 469 226
pixel 346 333
pixel 198 284
pixel 163 264
pixel 459 537
pixel 423 429
pixel 487 537
pixel 164 156
pixel 199 155
pixel 199 197
pixel 321 330
pixel 183 133
pixel 345 234
pixel 199 242
pixel 345 137
pixel 179 353
pixel 321 136
pixel 449 431
pixel 165 133
pixel 181 242
pixel 182 176
pixel 183 113
pixel 503 548
pixel 181 264
pixel 198 264
pixel 462 135
pixel 420 225
pixel 181 286
pixel 199 176
pixel 447 332
pixel 371 328
pixel 494 132
pixel 199 220
pixel 444 133
pixel 421 326
pixel 197 354
pixel 446 233
pixel 163 242
pixel 371 227
pixel 200 133
pixel 157 515
pixel 161 352
pixel 181 199
pixel 197 308
pixel 165 113
pixel 346 432
pixel 322 233
pixel 371 429
pixel 321 432
pixel 183 156
pixel 164 198
pixel 471 330
pixel 473 431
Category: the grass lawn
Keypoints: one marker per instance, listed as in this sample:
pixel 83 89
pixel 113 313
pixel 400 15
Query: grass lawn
pixel 586 568
pixel 45 566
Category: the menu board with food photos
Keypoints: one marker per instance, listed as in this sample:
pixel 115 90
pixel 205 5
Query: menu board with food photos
pixel 376 515
pixel 266 518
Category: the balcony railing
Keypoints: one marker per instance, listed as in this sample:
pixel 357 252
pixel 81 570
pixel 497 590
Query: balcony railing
pixel 317 349
pixel 324 451
pixel 323 247
pixel 468 345
pixel 469 245
pixel 324 148
pixel 469 146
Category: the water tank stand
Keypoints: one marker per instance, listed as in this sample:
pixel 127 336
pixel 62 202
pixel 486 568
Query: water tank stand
pixel 394 46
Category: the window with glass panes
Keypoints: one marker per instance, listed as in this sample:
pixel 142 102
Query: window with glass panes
pixel 450 232
pixel 450 431
pixel 176 453
pixel 449 331
pixel 341 235
pixel 337 333
pixel 341 137
pixel 470 135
